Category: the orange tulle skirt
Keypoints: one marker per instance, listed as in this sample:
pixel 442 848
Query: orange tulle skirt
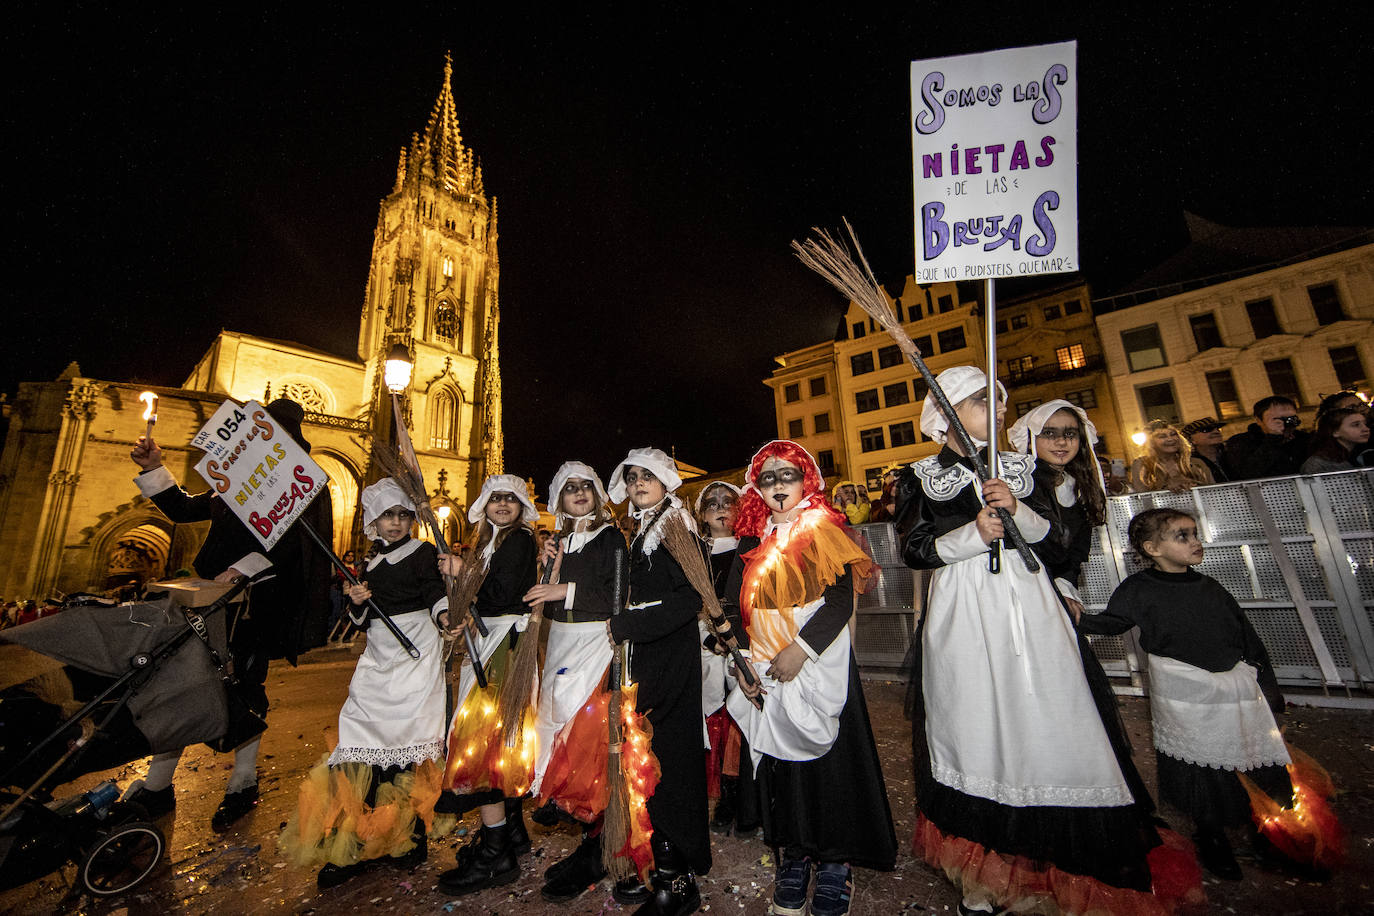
pixel 478 758
pixel 577 778
pixel 1305 830
pixel 333 822
pixel 1024 886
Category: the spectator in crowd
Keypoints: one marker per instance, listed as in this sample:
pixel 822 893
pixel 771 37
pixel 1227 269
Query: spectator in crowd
pixel 1362 456
pixel 1168 462
pixel 1113 475
pixel 852 500
pixel 1208 447
pixel 1272 446
pixel 885 509
pixel 1341 433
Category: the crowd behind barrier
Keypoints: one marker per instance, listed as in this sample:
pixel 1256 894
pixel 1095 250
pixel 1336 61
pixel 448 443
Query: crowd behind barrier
pixel 1296 552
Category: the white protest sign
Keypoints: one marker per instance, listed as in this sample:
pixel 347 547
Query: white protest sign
pixel 995 154
pixel 259 471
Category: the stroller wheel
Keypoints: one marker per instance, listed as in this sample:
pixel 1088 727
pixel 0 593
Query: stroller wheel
pixel 122 858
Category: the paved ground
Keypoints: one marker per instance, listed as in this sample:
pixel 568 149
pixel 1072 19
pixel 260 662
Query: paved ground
pixel 240 872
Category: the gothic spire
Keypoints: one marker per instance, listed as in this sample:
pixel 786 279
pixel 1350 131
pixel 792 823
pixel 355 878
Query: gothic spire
pixel 441 147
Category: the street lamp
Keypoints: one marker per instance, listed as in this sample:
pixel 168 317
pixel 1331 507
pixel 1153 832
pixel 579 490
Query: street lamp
pixel 1139 438
pixel 398 369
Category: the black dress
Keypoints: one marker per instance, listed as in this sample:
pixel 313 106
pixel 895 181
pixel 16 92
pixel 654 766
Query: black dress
pixel 1194 619
pixel 287 613
pixel 1109 844
pixel 665 661
pixel 1064 551
pixel 833 808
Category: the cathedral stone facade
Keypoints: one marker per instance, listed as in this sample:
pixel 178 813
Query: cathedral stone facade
pixel 71 516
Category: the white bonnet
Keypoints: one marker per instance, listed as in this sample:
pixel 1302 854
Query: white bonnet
pixel 567 471
pixel 498 483
pixel 958 383
pixel 651 459
pixel 378 498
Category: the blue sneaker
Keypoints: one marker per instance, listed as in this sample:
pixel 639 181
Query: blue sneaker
pixel 789 887
pixel 834 887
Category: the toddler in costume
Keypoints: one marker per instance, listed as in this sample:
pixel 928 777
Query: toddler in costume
pixel 1213 701
pixel 373 799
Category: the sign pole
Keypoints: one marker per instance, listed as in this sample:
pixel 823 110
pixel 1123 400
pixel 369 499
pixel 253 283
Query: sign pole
pixel 994 465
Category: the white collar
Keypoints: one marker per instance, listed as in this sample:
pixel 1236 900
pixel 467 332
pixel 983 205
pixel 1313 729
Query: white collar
pixel 395 556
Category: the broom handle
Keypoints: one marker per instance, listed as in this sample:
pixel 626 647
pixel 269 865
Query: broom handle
pixel 353 580
pixel 966 443
pixel 617 657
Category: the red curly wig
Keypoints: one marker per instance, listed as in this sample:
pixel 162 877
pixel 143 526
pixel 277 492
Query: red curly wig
pixel 754 513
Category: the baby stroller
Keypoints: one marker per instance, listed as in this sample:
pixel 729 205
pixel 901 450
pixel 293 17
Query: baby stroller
pixel 85 690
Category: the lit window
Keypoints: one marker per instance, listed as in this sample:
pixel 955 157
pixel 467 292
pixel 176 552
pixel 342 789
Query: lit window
pixel 448 267
pixel 1070 357
pixel 1019 367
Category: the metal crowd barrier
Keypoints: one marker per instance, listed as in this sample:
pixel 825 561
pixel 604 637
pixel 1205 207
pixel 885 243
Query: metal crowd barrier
pixel 1296 552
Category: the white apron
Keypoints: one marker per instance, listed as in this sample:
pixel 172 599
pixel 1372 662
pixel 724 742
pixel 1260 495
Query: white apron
pixel 801 718
pixel 498 628
pixel 575 661
pixel 713 668
pixel 394 714
pixel 1212 718
pixel 1009 716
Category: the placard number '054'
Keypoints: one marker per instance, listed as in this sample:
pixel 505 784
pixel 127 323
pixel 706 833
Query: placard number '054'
pixel 231 426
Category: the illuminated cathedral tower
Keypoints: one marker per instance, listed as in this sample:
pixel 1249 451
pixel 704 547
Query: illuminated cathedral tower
pixel 432 288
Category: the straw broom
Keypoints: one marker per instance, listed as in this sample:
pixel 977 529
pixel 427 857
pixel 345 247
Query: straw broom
pixel 683 545
pixel 832 260
pixel 518 686
pixel 412 484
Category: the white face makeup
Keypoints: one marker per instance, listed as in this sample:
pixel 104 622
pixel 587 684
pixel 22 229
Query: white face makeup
pixel 1058 441
pixel 781 485
pixel 973 413
pixel 503 508
pixel 718 511
pixel 394 524
pixel 644 489
pixel 578 497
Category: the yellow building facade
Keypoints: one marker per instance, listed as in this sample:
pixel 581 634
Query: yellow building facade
pixel 855 402
pixel 1301 326
pixel 432 288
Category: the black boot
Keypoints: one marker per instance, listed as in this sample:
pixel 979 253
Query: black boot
pixel 1214 852
pixel 491 865
pixel 546 815
pixel 674 887
pixel 515 820
pixel 723 819
pixel 570 877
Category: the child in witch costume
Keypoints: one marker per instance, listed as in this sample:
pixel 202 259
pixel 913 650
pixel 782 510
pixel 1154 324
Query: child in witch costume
pixel 729 771
pixel 373 799
pixel 1021 800
pixel 822 795
pixel 660 625
pixel 578 654
pixel 1214 702
pixel 1069 494
pixel 505 518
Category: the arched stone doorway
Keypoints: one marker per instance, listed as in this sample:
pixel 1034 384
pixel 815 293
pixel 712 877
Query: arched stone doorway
pixel 343 493
pixel 136 557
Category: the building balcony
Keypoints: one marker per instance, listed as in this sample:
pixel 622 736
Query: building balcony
pixel 1053 373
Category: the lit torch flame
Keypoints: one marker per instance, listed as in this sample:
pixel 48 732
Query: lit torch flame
pixel 149 413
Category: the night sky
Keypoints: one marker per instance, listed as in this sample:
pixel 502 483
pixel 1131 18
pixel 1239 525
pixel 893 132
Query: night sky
pixel 172 176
